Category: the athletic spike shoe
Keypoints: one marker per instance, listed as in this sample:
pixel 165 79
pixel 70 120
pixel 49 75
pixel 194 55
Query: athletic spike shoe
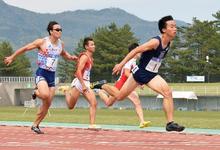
pixel 98 84
pixel 37 130
pixel 63 88
pixel 172 126
pixel 144 124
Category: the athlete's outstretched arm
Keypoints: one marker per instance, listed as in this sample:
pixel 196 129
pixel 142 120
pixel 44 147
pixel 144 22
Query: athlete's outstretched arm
pixel 35 44
pixel 150 45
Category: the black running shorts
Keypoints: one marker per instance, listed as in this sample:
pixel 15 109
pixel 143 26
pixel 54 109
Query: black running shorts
pixel 142 76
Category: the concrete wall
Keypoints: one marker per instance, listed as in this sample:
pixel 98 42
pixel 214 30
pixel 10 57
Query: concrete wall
pixel 4 96
pixel 22 95
pixel 11 93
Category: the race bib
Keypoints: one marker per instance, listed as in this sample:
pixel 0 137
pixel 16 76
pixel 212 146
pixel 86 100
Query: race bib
pixel 153 65
pixel 86 75
pixel 51 63
pixel 134 69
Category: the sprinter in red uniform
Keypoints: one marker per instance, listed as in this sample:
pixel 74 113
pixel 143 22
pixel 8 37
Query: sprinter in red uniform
pixel 81 83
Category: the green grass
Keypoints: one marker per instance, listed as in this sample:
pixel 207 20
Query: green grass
pixel 200 89
pixel 206 119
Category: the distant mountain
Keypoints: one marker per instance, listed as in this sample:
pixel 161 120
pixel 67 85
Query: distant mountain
pixel 19 26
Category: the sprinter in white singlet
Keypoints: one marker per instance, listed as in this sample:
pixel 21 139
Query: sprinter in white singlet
pixel 49 50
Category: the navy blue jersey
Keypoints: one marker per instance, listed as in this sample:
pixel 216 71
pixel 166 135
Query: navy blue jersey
pixel 151 60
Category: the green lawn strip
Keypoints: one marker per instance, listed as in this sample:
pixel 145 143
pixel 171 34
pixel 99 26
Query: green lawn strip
pixel 200 89
pixel 191 119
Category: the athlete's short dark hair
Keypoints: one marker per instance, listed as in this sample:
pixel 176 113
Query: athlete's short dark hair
pixel 86 41
pixel 132 46
pixel 162 22
pixel 50 26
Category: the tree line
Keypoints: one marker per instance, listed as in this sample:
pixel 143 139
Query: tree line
pixel 194 51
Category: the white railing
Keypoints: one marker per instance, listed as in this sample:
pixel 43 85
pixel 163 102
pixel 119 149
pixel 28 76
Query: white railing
pixel 21 79
pixel 200 90
pixel 16 79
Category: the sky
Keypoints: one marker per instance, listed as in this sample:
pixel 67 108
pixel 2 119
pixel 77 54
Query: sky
pixel 150 10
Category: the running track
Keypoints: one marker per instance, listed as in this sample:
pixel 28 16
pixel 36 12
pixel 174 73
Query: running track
pixel 17 135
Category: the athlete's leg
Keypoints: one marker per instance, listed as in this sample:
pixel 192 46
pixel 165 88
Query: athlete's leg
pixel 90 97
pixel 72 97
pixel 108 99
pixel 159 85
pixel 127 88
pixel 46 94
pixel 111 90
pixel 42 90
pixel 133 96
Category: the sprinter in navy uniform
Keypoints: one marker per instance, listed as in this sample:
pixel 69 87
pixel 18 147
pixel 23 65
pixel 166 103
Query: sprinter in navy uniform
pixel 146 73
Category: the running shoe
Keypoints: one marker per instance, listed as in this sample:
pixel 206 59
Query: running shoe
pixel 144 124
pixel 63 88
pixel 98 84
pixel 37 130
pixel 172 126
pixel 94 126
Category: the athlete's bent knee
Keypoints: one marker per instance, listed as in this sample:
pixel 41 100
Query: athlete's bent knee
pixel 45 96
pixel 168 94
pixel 108 104
pixel 120 97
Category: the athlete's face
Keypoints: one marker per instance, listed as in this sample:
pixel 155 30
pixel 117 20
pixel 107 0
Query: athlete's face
pixel 56 31
pixel 170 29
pixel 90 46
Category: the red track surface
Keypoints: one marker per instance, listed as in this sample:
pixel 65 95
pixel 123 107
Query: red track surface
pixel 22 138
